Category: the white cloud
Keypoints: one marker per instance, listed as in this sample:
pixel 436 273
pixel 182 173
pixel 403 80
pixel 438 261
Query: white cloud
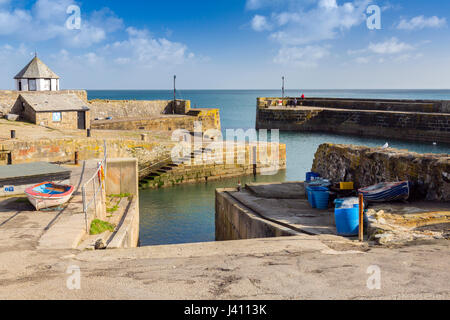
pixel 318 21
pixel 392 46
pixel 142 48
pixel 260 23
pixel 46 21
pixel 297 26
pixel 390 50
pixel 362 60
pixel 308 56
pixel 11 21
pixel 421 22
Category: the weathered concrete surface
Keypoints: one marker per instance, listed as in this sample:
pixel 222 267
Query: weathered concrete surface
pixel 245 215
pixel 122 178
pixel 23 227
pixel 284 268
pixel 282 190
pixel 429 174
pixel 233 221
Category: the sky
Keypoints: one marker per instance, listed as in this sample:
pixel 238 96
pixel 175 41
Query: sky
pixel 230 44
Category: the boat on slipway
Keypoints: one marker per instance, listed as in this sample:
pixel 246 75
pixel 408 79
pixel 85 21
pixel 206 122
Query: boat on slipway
pixel 49 194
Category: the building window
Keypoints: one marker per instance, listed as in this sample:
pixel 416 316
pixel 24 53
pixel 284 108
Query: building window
pixel 32 85
pixel 56 117
pixel 47 85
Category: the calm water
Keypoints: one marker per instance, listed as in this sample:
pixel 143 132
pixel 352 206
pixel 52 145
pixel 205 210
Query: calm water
pixel 185 214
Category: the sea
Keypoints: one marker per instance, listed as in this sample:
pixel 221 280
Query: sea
pixel 185 213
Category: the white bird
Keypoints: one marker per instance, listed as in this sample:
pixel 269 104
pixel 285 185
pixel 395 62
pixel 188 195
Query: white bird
pixel 386 146
pixel 434 143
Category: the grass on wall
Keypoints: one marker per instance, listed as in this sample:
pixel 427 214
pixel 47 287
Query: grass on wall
pixel 98 227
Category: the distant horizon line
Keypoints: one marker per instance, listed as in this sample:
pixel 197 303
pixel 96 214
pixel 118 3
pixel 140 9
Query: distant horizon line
pixel 218 89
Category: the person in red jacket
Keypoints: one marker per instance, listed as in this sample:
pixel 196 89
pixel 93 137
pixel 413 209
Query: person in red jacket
pixel 303 96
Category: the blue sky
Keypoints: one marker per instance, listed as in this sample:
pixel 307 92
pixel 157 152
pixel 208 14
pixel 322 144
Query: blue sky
pixel 230 44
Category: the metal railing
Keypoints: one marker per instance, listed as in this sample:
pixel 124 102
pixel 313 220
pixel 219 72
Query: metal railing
pixel 93 190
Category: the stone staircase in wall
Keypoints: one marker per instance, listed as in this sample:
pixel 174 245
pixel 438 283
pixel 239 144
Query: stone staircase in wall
pixel 170 173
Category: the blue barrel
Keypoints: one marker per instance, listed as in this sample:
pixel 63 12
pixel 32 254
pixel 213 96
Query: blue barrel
pixel 347 221
pixel 310 197
pixel 321 197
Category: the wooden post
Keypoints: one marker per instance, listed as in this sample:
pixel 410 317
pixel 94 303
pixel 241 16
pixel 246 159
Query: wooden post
pixel 361 217
pixel 13 134
pixel 76 158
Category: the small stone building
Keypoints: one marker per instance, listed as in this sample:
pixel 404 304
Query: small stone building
pixel 36 76
pixel 54 110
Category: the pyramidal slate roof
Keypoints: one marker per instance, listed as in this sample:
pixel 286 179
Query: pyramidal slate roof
pixel 36 69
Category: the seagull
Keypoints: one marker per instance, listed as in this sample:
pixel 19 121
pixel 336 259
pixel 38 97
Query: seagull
pixel 434 143
pixel 386 146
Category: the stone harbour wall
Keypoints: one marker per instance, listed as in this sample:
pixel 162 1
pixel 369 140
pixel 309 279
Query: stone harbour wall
pixel 209 118
pixel 429 174
pixel 63 150
pixel 433 106
pixel 121 109
pixel 118 109
pixel 427 127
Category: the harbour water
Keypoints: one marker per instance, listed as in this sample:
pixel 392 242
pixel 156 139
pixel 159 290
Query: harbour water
pixel 185 214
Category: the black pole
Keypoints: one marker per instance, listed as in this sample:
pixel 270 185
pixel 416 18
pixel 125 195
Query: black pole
pixel 13 134
pixel 174 93
pixel 282 88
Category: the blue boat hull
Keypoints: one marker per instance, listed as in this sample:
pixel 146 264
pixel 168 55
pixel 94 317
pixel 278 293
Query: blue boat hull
pixel 386 192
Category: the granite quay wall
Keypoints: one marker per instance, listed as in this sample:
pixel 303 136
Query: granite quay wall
pixel 235 222
pixel 433 106
pixel 119 109
pixel 210 119
pixel 414 126
pixel 124 109
pixel 63 150
pixel 429 174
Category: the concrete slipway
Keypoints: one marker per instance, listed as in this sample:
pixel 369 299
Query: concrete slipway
pixel 35 266
pixel 300 267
